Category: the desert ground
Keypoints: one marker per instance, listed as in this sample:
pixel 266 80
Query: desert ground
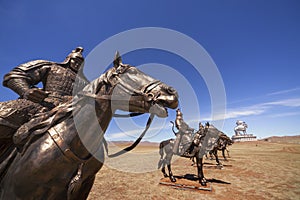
pixel 255 170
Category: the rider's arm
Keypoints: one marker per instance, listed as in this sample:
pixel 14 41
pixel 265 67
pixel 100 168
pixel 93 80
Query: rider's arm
pixel 22 80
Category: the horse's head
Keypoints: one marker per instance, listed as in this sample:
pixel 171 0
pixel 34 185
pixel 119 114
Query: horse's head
pixel 132 90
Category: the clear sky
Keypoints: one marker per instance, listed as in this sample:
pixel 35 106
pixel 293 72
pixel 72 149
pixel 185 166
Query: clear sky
pixel 255 46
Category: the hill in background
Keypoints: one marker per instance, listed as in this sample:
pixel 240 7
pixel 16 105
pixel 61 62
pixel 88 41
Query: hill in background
pixel 284 139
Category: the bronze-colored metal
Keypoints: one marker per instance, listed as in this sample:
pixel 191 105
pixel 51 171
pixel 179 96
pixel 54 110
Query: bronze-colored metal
pixel 191 145
pixel 58 80
pixel 58 165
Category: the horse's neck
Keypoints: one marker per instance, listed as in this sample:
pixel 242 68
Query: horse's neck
pixel 91 119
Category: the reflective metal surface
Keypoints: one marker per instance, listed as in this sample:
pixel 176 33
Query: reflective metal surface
pixel 54 163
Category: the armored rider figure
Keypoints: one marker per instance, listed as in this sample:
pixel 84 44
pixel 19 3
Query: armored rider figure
pixel 58 80
pixel 196 139
pixel 183 128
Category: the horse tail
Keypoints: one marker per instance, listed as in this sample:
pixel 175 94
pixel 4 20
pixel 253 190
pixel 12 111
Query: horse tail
pixel 173 127
pixel 161 153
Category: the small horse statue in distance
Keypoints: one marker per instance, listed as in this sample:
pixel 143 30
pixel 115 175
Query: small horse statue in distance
pixel 206 136
pixel 221 145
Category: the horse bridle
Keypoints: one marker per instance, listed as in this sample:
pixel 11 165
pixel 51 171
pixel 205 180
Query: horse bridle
pixel 145 94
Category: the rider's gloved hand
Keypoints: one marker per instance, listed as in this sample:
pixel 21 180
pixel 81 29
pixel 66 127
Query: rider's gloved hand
pixel 36 95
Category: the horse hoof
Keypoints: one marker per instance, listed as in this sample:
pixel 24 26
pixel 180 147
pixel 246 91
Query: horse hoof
pixel 173 179
pixel 203 182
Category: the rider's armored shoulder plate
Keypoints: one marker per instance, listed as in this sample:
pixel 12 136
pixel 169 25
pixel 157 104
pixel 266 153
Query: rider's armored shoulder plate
pixel 34 64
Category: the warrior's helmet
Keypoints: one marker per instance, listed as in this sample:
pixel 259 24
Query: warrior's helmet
pixel 178 113
pixel 75 59
pixel 200 126
pixel 179 118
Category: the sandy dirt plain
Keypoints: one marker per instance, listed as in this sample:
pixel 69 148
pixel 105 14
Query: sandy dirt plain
pixel 255 170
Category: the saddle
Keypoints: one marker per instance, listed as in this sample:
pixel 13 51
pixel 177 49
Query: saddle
pixel 16 112
pixel 23 136
pixel 39 125
pixel 185 146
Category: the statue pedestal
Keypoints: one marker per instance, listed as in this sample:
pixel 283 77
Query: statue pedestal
pixel 244 138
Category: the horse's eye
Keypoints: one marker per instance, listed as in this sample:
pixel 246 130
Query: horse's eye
pixel 132 71
pixel 171 90
pixel 119 70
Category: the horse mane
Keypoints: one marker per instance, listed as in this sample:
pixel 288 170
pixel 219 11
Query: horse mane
pixel 94 86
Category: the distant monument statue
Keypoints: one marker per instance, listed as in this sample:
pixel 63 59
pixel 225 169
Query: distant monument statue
pixel 240 126
pixel 241 134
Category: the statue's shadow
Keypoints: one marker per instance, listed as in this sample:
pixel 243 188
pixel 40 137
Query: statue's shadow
pixel 193 177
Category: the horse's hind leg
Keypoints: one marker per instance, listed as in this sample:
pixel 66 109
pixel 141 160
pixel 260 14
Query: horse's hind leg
pixel 223 153
pixel 162 161
pixel 163 170
pixel 217 158
pixel 168 161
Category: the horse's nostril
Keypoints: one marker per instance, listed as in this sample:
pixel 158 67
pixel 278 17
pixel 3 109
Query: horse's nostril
pixel 150 97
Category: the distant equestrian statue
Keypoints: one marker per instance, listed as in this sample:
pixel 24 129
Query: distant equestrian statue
pixel 240 126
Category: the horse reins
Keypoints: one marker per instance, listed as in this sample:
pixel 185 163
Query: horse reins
pixel 133 145
pixel 146 95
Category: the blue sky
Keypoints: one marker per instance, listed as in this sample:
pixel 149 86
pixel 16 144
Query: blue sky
pixel 254 44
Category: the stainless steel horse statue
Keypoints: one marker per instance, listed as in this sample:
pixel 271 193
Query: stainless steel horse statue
pixel 56 163
pixel 240 126
pixel 221 145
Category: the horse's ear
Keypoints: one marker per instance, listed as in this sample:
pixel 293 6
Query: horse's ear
pixel 117 59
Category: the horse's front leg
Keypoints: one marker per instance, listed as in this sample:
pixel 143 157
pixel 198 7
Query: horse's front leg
pixel 201 177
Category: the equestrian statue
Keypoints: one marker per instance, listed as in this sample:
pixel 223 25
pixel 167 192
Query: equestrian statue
pixel 187 144
pixel 221 145
pixel 52 138
pixel 240 126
